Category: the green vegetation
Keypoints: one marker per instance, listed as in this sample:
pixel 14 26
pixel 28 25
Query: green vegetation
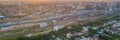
pixel 75 28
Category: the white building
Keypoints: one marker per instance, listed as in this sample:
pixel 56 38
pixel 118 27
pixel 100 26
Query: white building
pixel 85 28
pixel 85 39
pixel 43 25
pixel 29 35
pixel 116 25
pixel 57 27
pixel 68 35
pixel 5 28
pixel 2 16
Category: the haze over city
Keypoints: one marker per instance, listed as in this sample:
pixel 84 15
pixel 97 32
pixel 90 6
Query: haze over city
pixel 59 19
